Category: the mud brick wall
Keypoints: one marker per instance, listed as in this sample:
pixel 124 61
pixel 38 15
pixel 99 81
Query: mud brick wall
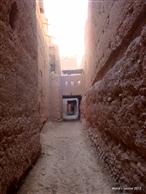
pixel 43 66
pixel 19 108
pixel 110 28
pixel 55 96
pixel 114 107
pixel 55 102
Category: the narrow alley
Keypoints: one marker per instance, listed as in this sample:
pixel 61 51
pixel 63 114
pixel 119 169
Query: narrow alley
pixel 72 96
pixel 67 164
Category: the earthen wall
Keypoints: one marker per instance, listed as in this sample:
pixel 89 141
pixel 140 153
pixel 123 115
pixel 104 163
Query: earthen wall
pixel 21 60
pixel 114 106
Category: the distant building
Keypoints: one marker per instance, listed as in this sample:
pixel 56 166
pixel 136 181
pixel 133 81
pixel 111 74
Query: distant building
pixel 72 84
pixel 55 103
pixel 69 63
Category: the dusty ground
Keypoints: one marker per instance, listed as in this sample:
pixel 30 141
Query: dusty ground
pixel 67 164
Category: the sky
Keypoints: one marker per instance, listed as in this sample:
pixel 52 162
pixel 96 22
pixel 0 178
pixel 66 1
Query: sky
pixel 66 24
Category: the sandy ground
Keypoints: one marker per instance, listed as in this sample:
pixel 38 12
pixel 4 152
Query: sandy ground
pixel 67 164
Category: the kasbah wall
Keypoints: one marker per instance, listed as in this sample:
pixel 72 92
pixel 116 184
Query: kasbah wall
pixel 24 80
pixel 43 59
pixel 114 107
pixel 55 97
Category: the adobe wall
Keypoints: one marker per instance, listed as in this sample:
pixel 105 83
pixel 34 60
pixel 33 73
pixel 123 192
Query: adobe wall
pixel 72 84
pixel 20 64
pixel 43 66
pixel 114 107
pixel 110 28
pixel 55 98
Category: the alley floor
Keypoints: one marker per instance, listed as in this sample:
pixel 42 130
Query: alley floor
pixel 67 164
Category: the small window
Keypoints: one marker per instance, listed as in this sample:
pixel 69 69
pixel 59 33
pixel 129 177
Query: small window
pixel 79 82
pixel 41 73
pixel 72 83
pixel 41 10
pixel 66 83
pixel 52 67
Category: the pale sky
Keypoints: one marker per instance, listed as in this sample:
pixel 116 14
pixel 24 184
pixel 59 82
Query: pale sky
pixel 67 23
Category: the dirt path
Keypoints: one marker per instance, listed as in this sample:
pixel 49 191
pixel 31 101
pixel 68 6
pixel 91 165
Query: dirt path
pixel 67 164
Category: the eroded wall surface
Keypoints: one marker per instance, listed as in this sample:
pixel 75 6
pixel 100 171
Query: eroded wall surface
pixel 114 107
pixel 55 96
pixel 72 84
pixel 19 90
pixel 43 65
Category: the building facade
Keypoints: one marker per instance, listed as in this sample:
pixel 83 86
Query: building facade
pixel 55 103
pixel 72 84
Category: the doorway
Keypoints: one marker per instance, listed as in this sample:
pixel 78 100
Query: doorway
pixel 71 108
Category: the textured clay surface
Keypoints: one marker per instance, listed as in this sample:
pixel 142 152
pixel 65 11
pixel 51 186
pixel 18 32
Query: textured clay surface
pixel 19 116
pixel 114 107
pixel 111 27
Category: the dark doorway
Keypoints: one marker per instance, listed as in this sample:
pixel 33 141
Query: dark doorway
pixel 71 107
